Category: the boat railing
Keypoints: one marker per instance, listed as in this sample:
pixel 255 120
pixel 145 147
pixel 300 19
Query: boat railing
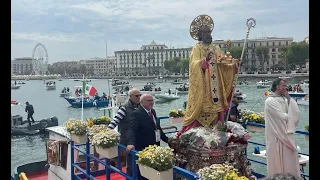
pixel 176 170
pixel 109 168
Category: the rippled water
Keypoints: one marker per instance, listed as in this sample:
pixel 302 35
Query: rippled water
pixel 27 149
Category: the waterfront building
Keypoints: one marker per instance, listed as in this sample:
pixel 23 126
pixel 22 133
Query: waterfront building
pixel 100 66
pixel 149 60
pixel 21 66
pixel 251 61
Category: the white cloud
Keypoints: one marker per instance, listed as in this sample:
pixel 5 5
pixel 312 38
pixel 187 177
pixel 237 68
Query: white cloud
pixel 128 24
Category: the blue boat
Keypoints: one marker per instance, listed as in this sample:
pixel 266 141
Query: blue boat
pixel 297 94
pixel 72 99
pixel 78 104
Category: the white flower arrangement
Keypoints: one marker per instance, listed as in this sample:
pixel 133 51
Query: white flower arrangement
pixel 219 172
pixel 106 138
pixel 76 127
pixel 156 157
pixel 96 129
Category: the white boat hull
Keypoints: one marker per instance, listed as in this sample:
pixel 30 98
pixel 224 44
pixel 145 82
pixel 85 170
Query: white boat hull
pixel 303 102
pixel 151 92
pixel 182 92
pixel 15 87
pixel 65 94
pixel 51 87
pixel 166 96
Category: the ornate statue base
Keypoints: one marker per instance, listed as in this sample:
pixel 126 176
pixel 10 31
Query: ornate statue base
pixel 193 159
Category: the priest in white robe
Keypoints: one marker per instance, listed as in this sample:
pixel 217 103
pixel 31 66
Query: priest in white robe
pixel 281 119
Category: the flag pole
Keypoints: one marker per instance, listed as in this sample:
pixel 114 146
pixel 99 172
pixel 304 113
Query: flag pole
pixel 82 98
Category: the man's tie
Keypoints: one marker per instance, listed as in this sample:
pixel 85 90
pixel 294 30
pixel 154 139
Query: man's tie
pixel 151 115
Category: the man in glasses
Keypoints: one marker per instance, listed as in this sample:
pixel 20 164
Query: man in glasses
pixel 144 128
pixel 122 119
pixel 234 112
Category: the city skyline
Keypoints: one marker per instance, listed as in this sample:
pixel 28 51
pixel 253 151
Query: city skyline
pixel 76 30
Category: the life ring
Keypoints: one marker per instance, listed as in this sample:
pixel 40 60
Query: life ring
pixel 14 102
pixel 43 124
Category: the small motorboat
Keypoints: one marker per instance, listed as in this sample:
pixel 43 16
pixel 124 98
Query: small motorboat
pixel 241 95
pixel 183 89
pixel 21 127
pixel 264 84
pixel 178 81
pixel 167 96
pixel 15 86
pixel 295 94
pixel 51 85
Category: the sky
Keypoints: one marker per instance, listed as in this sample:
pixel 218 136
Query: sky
pixel 80 29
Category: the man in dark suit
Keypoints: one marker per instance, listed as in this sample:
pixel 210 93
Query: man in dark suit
pixel 144 129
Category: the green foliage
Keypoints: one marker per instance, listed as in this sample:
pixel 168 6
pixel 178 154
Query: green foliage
pixel 262 53
pixel 176 65
pixel 297 53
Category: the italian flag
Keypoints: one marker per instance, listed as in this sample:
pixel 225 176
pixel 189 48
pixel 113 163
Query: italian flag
pixel 88 89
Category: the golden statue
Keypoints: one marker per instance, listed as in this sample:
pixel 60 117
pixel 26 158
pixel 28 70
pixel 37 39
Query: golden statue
pixel 211 78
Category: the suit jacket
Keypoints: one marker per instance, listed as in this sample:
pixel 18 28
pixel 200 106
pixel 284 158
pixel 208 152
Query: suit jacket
pixel 141 133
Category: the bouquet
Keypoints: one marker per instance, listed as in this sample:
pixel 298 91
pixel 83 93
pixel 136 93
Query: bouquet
pixel 97 121
pixel 219 172
pixel 156 157
pixel 307 127
pixel 176 113
pixel 96 129
pixel 106 138
pixel 250 116
pixel 76 127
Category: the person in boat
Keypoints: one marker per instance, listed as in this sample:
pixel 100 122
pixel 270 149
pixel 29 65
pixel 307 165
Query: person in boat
pixel 104 96
pixel 169 91
pixel 210 84
pixel 68 89
pixel 29 109
pixel 289 88
pixel 144 129
pixel 122 118
pixel 234 112
pixel 96 97
pixel 76 92
pixel 281 119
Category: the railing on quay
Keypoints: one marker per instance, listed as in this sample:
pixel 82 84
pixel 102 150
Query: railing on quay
pixel 109 168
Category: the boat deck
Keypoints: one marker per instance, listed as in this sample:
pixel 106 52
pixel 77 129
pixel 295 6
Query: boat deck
pixel 43 175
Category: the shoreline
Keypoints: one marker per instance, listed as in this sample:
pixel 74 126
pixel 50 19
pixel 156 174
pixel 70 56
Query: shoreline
pixel 293 75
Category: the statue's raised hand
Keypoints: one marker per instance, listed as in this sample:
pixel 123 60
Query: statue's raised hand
pixel 209 55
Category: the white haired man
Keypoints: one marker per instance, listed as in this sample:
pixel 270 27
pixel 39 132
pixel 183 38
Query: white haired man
pixel 122 118
pixel 144 129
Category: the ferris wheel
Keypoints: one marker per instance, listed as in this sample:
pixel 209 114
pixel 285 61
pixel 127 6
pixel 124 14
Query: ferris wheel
pixel 40 59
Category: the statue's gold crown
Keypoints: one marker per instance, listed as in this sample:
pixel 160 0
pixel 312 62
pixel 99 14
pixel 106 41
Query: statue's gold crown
pixel 227 58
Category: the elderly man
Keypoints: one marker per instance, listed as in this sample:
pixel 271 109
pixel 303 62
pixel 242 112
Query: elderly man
pixel 282 118
pixel 144 129
pixel 122 119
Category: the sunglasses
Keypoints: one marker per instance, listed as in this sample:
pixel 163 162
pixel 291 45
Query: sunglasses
pixel 138 95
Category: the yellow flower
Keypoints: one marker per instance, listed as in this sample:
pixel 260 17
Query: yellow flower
pixel 90 123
